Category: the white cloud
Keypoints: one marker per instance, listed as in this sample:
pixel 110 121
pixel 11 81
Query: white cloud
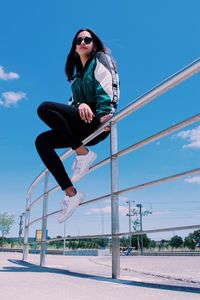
pixel 123 210
pixel 11 98
pixel 7 76
pixel 160 213
pixel 192 136
pixel 195 179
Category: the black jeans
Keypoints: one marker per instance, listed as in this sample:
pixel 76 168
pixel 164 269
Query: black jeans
pixel 67 130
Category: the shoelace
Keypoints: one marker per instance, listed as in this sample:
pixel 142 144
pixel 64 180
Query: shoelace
pixel 63 204
pixel 77 166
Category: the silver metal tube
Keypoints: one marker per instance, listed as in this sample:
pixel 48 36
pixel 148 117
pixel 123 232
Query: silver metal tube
pixel 44 220
pixel 158 181
pixel 64 238
pixel 160 230
pixel 129 217
pixel 114 203
pixel 26 228
pixel 161 88
pixel 159 135
pixel 195 226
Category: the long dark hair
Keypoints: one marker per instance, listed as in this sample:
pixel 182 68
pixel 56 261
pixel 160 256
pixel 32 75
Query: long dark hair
pixel 73 61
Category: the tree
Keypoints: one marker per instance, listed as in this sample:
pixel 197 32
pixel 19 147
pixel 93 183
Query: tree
pixel 6 222
pixel 152 244
pixel 146 241
pixel 163 244
pixel 192 240
pixel 57 244
pixel 176 241
pixel 124 242
pixel 137 225
pixel 103 243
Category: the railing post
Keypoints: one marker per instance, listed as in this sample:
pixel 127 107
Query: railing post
pixel 44 220
pixel 114 203
pixel 26 227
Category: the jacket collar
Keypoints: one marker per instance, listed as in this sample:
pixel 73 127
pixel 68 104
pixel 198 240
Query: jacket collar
pixel 80 73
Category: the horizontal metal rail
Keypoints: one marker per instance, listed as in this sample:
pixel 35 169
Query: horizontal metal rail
pixel 131 148
pixel 161 88
pixel 196 226
pixel 132 233
pixel 147 184
pixel 130 189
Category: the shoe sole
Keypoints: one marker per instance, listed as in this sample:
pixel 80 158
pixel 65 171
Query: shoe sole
pixel 84 173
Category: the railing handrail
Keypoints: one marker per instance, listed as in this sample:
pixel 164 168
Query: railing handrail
pixel 150 95
pixel 161 88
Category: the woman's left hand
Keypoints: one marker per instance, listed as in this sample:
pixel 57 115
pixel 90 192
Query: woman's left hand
pixel 104 119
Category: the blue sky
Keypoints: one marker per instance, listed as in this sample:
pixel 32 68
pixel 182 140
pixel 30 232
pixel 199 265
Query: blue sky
pixel 150 40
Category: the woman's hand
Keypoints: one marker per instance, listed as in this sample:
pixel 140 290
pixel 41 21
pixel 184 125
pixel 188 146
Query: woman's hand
pixel 85 112
pixel 104 119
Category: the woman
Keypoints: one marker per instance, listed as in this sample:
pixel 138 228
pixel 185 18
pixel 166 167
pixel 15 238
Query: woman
pixel 95 93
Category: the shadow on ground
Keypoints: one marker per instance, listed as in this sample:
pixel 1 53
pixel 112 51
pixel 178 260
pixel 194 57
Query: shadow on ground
pixel 23 266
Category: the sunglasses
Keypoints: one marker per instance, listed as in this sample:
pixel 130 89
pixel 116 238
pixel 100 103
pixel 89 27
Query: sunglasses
pixel 87 40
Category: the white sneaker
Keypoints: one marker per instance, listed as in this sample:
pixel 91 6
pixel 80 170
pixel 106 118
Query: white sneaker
pixel 69 205
pixel 82 164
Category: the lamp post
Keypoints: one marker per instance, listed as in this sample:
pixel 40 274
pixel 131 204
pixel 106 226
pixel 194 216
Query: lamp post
pixel 129 217
pixel 20 226
pixel 141 214
pixel 64 238
pixel 141 237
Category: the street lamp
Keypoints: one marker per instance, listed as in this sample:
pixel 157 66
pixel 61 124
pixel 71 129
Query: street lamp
pixel 141 237
pixel 129 215
pixel 20 226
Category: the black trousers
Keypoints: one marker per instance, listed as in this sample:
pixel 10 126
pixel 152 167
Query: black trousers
pixel 67 130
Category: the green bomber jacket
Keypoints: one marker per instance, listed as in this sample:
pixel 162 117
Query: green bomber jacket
pixel 97 85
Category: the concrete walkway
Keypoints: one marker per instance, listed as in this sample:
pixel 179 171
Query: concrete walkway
pixel 74 278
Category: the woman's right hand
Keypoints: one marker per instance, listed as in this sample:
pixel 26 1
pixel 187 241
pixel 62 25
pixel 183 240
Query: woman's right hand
pixel 85 112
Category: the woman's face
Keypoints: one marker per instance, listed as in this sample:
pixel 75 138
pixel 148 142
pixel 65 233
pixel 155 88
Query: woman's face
pixel 84 43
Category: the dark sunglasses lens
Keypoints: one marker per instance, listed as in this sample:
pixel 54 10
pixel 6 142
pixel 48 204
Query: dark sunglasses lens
pixel 87 40
pixel 78 41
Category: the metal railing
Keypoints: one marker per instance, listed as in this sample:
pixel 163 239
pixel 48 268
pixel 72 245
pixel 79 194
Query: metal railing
pixel 151 95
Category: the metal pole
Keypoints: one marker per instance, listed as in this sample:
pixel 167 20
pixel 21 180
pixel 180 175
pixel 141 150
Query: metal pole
pixel 141 238
pixel 20 227
pixel 114 203
pixel 102 215
pixel 64 238
pixel 129 219
pixel 44 220
pixel 26 227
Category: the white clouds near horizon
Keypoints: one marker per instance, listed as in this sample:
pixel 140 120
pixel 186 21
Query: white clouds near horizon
pixel 192 136
pixel 9 99
pixel 7 76
pixel 107 210
pixel 195 179
pixel 123 211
